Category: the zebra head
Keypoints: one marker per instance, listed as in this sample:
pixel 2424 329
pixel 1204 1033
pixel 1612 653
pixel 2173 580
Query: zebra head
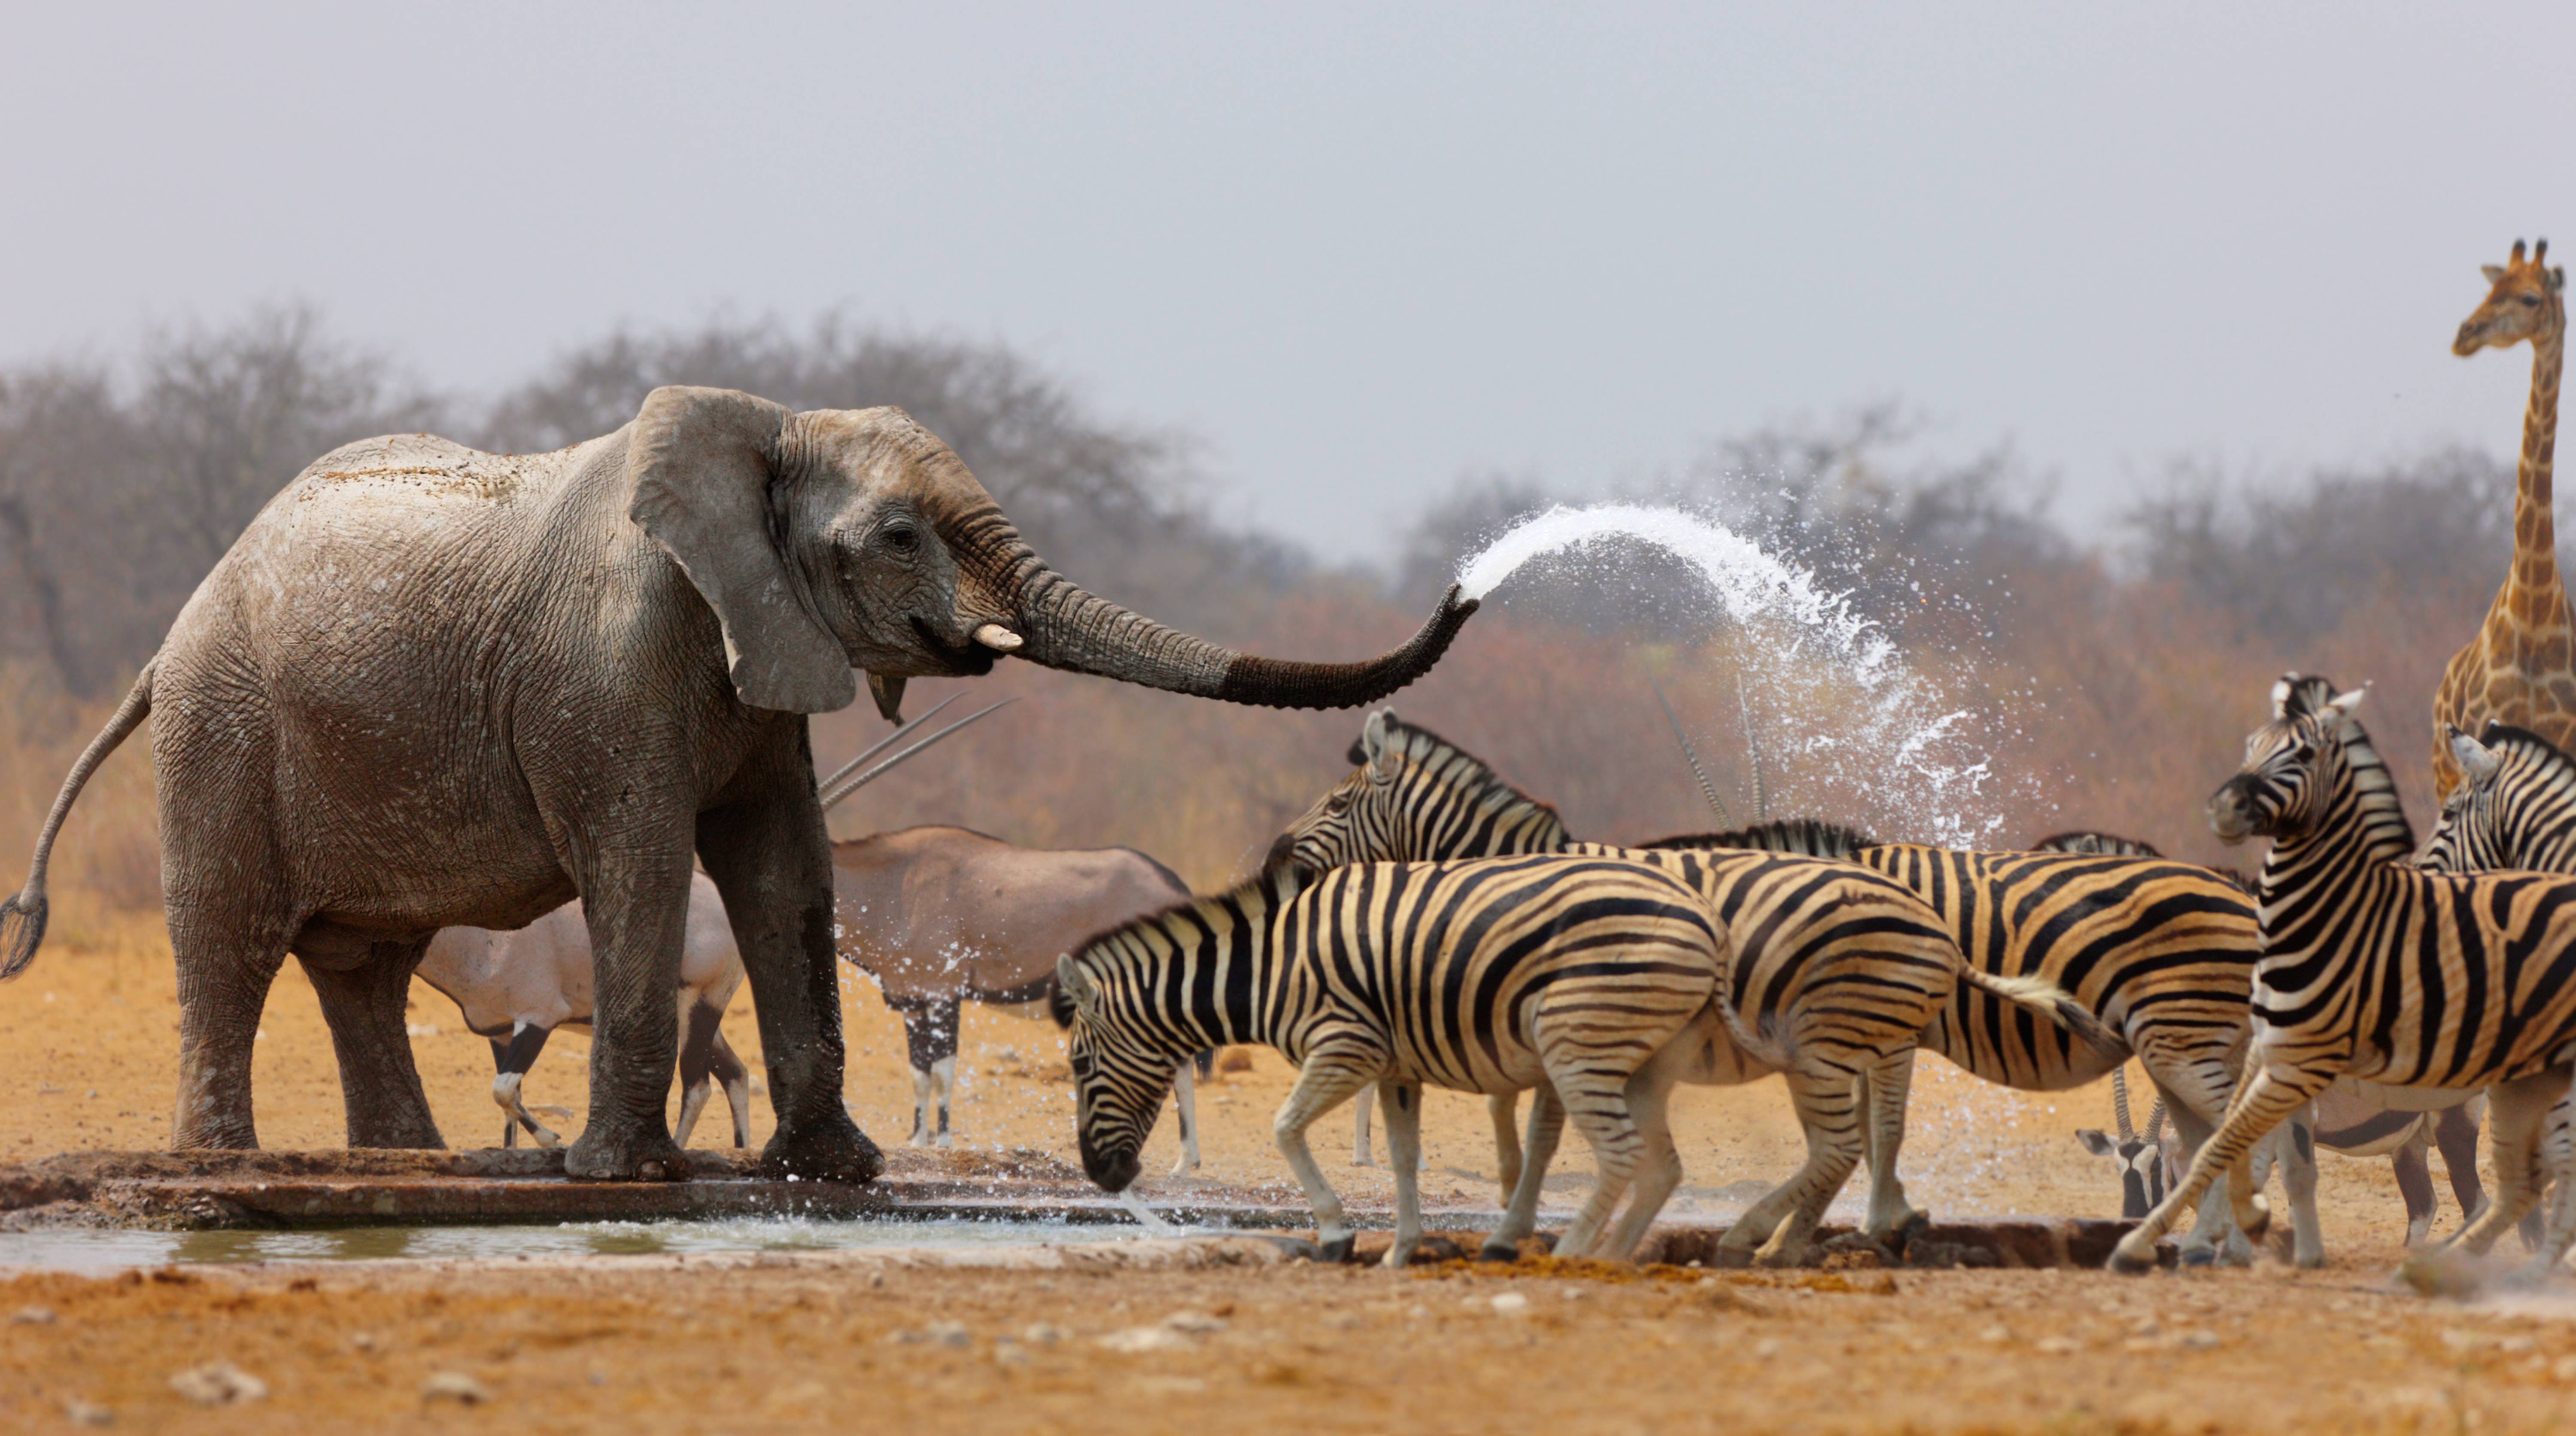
pixel 1415 797
pixel 2511 809
pixel 2291 763
pixel 1120 1075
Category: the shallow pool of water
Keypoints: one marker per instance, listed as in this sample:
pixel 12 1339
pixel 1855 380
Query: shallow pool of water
pixel 84 1249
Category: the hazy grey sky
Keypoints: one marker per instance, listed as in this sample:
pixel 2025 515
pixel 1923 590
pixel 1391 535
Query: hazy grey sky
pixel 1356 249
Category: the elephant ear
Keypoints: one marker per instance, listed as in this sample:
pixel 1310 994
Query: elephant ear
pixel 699 465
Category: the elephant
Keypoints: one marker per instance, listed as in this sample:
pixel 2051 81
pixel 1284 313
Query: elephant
pixel 430 686
pixel 940 916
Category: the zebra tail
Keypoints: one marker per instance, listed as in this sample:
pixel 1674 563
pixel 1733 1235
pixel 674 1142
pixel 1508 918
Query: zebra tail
pixel 2053 1002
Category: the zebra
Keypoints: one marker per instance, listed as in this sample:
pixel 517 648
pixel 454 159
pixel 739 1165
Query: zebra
pixel 2515 806
pixel 2377 968
pixel 1587 975
pixel 2160 953
pixel 1835 971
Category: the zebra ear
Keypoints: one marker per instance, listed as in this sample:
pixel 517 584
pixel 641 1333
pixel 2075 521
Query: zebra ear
pixel 2344 703
pixel 2281 695
pixel 2475 758
pixel 1381 755
pixel 1076 985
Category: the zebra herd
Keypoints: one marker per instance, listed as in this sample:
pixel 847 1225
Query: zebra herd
pixel 1428 924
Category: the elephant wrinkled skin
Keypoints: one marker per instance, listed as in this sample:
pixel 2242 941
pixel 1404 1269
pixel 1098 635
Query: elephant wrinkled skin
pixel 432 687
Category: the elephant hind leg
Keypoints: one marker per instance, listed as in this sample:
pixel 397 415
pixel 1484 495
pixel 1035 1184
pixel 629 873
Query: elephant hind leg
pixel 224 977
pixel 380 1089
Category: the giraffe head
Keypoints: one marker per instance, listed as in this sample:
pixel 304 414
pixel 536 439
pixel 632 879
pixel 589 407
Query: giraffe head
pixel 2521 304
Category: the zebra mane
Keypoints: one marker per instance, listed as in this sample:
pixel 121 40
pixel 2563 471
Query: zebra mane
pixel 2086 841
pixel 1475 778
pixel 2383 815
pixel 1185 922
pixel 1814 837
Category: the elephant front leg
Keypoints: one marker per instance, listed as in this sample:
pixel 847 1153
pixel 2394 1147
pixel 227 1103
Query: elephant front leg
pixel 636 907
pixel 380 1090
pixel 772 863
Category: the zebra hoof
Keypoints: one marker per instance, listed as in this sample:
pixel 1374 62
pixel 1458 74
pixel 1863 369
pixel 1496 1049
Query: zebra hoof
pixel 2130 1263
pixel 1498 1251
pixel 2200 1257
pixel 1906 1231
pixel 1336 1252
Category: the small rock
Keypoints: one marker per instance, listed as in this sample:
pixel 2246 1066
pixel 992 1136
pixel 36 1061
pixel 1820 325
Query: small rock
pixel 1765 1349
pixel 1194 1323
pixel 1044 1335
pixel 1995 1335
pixel 2564 1369
pixel 2056 1346
pixel 33 1316
pixel 219 1383
pixel 1137 1340
pixel 2516 1345
pixel 948 1333
pixel 1511 1303
pixel 2200 1341
pixel 364 1341
pixel 1007 1352
pixel 87 1413
pixel 454 1386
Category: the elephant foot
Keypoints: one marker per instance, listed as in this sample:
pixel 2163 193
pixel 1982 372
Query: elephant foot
pixel 597 1157
pixel 830 1149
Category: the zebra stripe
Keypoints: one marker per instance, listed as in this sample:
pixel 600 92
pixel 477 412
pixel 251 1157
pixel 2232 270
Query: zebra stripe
pixel 1835 971
pixel 2158 952
pixel 2377 969
pixel 1477 976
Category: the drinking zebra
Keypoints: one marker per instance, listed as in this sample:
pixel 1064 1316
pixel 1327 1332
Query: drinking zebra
pixel 2375 968
pixel 1835 972
pixel 2160 953
pixel 1592 976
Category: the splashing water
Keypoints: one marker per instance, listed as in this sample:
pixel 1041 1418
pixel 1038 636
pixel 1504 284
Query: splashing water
pixel 1833 692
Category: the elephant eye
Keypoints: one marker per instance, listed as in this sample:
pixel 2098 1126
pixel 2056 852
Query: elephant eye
pixel 902 538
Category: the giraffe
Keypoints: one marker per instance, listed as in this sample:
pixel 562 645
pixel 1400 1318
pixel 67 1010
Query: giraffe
pixel 2518 667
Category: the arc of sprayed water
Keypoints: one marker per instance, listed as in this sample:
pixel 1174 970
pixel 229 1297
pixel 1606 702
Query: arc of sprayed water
pixel 1707 789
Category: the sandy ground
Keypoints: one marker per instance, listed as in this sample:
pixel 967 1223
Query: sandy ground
pixel 88 1046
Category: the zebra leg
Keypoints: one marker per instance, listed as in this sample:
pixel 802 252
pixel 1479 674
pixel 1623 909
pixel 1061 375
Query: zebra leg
pixel 1185 1110
pixel 2455 1136
pixel 1520 1218
pixel 1597 1103
pixel 1886 1090
pixel 1774 1232
pixel 2517 1113
pixel 1360 1127
pixel 1660 1169
pixel 1504 1108
pixel 2261 1104
pixel 1331 1076
pixel 2298 1167
pixel 2195 1096
pixel 1403 1103
pixel 697 1065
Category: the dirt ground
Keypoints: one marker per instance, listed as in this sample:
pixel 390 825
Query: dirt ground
pixel 88 1046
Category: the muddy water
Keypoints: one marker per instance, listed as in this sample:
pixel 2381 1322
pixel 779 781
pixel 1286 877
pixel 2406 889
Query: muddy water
pixel 94 1251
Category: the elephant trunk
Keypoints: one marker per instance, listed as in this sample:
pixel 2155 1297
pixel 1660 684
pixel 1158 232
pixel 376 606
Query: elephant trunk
pixel 1062 626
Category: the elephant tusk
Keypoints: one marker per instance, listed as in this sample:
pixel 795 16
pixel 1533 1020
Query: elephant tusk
pixel 999 639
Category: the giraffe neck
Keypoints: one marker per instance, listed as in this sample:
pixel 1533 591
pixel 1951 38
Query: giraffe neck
pixel 2535 532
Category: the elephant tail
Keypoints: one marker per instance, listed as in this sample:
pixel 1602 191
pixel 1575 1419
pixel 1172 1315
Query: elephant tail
pixel 22 918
